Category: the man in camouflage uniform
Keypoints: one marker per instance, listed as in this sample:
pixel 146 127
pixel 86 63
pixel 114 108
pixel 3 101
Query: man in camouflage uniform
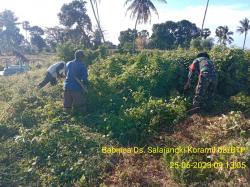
pixel 207 82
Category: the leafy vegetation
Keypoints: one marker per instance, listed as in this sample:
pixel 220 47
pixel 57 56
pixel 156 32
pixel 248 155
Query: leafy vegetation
pixel 133 100
pixel 36 136
pixel 77 29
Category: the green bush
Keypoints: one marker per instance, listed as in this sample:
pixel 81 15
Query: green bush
pixel 202 44
pixel 56 155
pixel 196 43
pixel 123 83
pixel 126 91
pixel 132 98
pixel 241 101
pixel 67 50
pixel 233 69
pixel 127 47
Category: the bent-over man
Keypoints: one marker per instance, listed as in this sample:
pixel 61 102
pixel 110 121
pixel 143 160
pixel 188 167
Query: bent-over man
pixel 207 82
pixel 54 72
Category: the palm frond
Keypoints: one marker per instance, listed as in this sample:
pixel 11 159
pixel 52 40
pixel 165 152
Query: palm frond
pixel 126 2
pixel 141 10
pixel 151 5
pixel 163 1
pixel 241 30
pixel 244 23
pixel 132 7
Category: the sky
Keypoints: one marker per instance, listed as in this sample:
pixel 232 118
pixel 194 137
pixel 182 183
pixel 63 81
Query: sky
pixel 113 19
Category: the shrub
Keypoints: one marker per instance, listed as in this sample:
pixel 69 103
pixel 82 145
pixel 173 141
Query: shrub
pixel 242 102
pixel 127 90
pixel 132 99
pixel 56 155
pixel 196 43
pixel 66 51
pixel 207 44
pixel 232 66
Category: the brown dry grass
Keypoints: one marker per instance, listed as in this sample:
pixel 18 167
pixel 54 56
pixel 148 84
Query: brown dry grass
pixel 197 130
pixel 140 170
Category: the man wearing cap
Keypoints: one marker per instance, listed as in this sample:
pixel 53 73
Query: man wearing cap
pixel 207 82
pixel 75 83
pixel 54 72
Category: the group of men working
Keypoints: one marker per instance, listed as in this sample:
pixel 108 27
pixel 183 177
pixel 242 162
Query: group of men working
pixel 75 83
pixel 76 80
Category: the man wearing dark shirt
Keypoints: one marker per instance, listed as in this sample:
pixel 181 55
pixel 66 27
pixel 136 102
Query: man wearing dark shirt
pixel 75 83
pixel 207 82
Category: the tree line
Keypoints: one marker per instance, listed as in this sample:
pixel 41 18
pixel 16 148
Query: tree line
pixel 170 35
pixel 76 27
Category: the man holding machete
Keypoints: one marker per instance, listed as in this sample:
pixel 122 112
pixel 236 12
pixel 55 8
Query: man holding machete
pixel 75 84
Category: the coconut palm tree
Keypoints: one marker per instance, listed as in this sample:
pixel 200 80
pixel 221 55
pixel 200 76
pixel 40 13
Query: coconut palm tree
pixel 243 29
pixel 141 12
pixel 224 35
pixel 96 15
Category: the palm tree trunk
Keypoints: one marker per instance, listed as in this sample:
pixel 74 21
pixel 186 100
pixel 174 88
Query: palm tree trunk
pixel 203 21
pixel 98 17
pixel 97 11
pixel 245 40
pixel 135 33
pixel 98 22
